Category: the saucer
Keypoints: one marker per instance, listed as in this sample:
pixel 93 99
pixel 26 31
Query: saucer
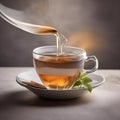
pixel 55 94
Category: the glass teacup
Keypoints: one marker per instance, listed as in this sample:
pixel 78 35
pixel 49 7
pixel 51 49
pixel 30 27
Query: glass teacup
pixel 61 72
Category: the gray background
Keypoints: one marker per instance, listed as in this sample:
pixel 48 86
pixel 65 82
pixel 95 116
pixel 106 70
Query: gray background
pixel 97 20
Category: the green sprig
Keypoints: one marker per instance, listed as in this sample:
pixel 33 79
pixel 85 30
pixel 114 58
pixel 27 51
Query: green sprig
pixel 83 81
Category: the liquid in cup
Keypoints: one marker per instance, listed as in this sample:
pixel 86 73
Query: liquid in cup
pixel 58 72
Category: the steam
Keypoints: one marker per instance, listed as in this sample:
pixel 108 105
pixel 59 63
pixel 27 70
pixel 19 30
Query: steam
pixel 88 40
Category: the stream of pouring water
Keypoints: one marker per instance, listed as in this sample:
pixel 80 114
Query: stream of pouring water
pixel 39 30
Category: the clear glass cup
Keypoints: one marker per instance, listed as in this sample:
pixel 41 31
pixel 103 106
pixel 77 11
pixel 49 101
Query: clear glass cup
pixel 61 72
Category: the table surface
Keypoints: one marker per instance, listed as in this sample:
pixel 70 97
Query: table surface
pixel 17 103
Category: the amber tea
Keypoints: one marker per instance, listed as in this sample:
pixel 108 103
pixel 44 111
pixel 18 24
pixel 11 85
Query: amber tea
pixel 58 72
pixel 61 72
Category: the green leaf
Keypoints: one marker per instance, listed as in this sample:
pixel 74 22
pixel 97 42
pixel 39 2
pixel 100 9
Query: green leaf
pixel 83 81
pixel 75 87
pixel 77 83
pixel 89 87
pixel 83 75
pixel 86 80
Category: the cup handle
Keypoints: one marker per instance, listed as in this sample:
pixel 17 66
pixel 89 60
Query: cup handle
pixel 93 58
